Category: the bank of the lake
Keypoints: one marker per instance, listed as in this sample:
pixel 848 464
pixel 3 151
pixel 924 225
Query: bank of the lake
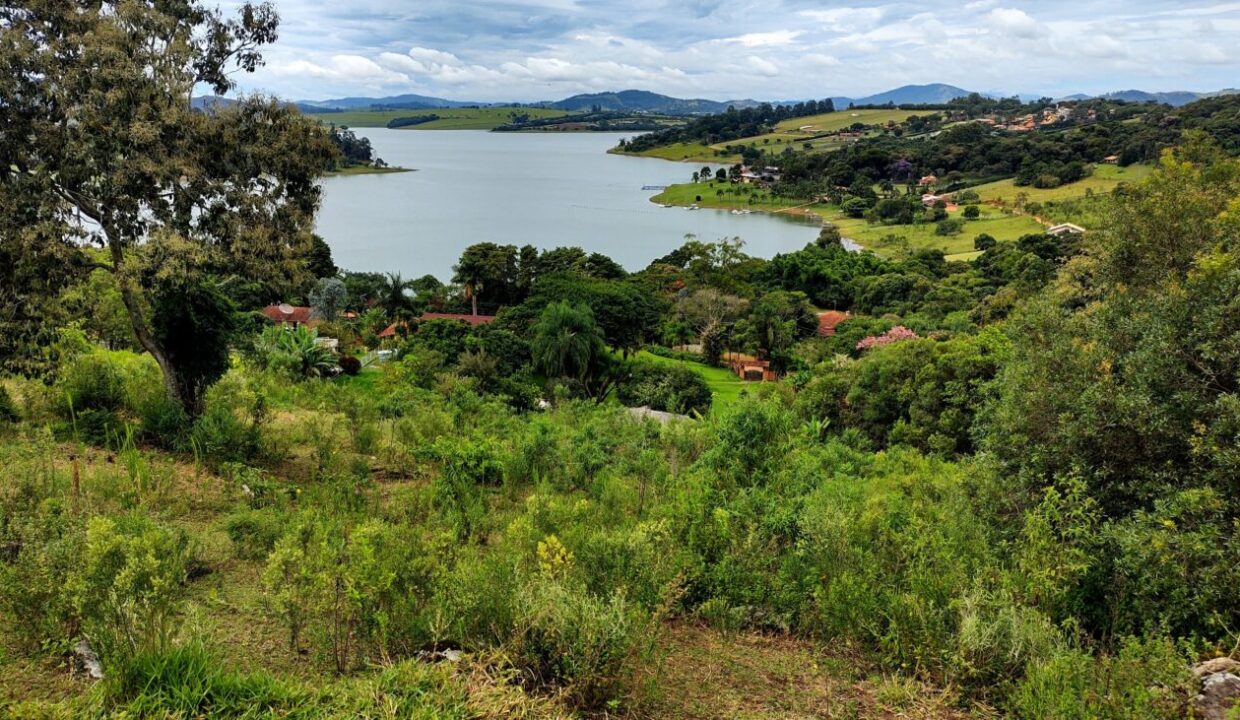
pixel 542 189
pixel 368 170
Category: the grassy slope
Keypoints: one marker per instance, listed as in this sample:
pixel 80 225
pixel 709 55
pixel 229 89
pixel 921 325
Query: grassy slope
pixel 787 132
pixel 994 222
pixel 449 118
pixel 691 152
pixel 725 387
pixel 1104 179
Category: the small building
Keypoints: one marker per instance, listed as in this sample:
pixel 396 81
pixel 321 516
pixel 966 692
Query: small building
pixel 1111 159
pixel 292 316
pixel 750 368
pixel 750 175
pixel 829 320
pixel 473 320
pixel 928 181
pixel 1065 229
pixel 930 199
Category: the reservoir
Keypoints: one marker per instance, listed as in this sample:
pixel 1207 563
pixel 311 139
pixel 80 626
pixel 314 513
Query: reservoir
pixel 541 189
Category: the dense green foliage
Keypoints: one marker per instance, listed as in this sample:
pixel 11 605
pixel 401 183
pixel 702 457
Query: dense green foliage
pixel 730 125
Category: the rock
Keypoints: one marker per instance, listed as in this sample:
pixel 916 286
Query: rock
pixel 1217 665
pixel 1220 692
pixel 88 659
pixel 658 416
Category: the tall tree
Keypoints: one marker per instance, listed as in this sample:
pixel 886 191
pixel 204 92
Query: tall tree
pixel 100 146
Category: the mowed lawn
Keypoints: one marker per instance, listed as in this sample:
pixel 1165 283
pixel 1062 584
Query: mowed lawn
pixel 733 196
pixel 881 238
pixel 1104 179
pixel 725 387
pixel 449 118
pixel 692 152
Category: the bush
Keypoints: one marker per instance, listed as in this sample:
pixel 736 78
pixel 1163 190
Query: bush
pixel 1147 680
pixel 349 365
pixel 589 646
pixel 42 547
pixel 949 227
pixel 670 388
pixel 254 532
pixel 230 427
pixel 128 589
pixel 91 382
pixel 346 585
pixel 8 409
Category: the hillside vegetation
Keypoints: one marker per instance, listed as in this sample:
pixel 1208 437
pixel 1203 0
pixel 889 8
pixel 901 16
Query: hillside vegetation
pixel 1023 509
pixel 238 482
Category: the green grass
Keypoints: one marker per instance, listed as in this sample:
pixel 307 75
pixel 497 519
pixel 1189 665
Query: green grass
pixel 876 237
pixel 725 387
pixel 785 133
pixel 733 197
pixel 1103 180
pixel 690 152
pixel 449 118
pixel 841 119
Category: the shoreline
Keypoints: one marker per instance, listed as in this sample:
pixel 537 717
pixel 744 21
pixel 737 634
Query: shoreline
pixel 801 211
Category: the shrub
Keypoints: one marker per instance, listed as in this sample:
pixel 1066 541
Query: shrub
pixel 8 409
pixel 589 646
pixel 347 585
pixel 230 427
pixel 349 365
pixel 670 388
pixel 42 547
pixel 91 382
pixel 128 589
pixel 1147 680
pixel 254 532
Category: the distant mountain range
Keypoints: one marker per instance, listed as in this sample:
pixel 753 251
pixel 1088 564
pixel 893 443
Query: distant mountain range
pixel 398 102
pixel 642 101
pixel 935 94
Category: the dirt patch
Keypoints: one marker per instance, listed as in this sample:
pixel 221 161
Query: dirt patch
pixel 706 676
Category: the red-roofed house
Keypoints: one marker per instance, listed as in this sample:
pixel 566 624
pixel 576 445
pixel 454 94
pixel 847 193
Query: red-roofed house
pixel 290 315
pixel 829 320
pixel 474 320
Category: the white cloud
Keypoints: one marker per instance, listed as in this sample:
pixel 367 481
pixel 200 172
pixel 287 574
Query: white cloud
pixel 762 66
pixel 1015 22
pixel 344 68
pixel 775 38
pixel 542 49
pixel 846 19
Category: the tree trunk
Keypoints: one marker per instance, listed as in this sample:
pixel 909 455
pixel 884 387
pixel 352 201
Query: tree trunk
pixel 133 308
pixel 473 298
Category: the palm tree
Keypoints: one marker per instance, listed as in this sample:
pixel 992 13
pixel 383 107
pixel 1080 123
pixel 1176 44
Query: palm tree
pixel 469 272
pixel 566 342
pixel 394 296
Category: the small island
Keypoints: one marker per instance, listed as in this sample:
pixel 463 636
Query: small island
pixel 356 156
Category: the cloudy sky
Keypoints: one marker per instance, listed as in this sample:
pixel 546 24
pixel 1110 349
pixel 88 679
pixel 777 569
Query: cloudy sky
pixel 491 50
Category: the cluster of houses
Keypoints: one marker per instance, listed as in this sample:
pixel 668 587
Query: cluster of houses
pixel 1027 123
pixel 763 176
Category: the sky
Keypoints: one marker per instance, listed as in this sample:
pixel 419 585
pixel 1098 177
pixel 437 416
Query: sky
pixel 505 50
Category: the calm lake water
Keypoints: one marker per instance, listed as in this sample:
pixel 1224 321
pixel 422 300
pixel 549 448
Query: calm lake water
pixel 545 190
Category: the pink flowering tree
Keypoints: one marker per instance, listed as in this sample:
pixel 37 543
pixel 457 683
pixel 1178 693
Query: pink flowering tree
pixel 896 334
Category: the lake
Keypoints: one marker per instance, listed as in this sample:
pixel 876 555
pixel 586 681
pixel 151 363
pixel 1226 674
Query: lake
pixel 541 189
